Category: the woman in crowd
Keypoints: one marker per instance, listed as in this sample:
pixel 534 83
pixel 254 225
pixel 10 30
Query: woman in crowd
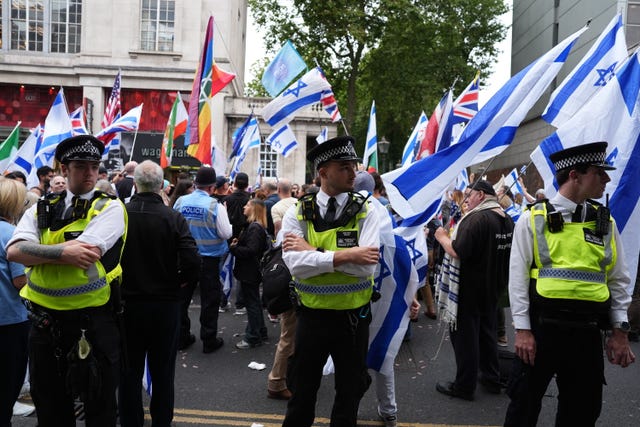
pixel 248 249
pixel 183 186
pixel 14 325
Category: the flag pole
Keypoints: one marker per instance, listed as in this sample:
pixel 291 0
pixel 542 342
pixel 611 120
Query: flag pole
pixel 133 145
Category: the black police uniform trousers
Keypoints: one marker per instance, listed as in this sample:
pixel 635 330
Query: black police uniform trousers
pixel 152 329
pixel 574 355
pixel 48 350
pixel 343 334
pixel 210 296
pixel 13 366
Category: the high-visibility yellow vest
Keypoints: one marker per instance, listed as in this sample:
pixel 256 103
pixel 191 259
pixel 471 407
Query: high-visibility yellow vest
pixel 66 287
pixel 571 264
pixel 335 290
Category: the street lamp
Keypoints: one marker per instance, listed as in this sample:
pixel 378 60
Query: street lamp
pixel 383 147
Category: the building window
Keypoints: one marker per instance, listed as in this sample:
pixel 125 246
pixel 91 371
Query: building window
pixel 633 24
pixel 66 19
pixel 157 25
pixel 45 25
pixel 27 25
pixel 268 161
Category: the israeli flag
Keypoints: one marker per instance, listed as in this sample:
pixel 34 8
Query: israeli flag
pixel 226 274
pixel 512 182
pixel 612 115
pixel 414 189
pixel 370 157
pixel 397 281
pixel 57 127
pixel 416 137
pixel 283 141
pixel 590 75
pixel 304 92
pixel 250 139
pixel 323 136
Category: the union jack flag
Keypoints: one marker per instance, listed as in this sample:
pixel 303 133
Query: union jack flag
pixel 466 106
pixel 329 102
pixel 77 122
pixel 112 113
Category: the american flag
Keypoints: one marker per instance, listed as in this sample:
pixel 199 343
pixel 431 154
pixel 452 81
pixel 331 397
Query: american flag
pixel 113 110
pixel 77 122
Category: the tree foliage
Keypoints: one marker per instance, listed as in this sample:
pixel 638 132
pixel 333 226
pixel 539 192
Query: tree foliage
pixel 402 53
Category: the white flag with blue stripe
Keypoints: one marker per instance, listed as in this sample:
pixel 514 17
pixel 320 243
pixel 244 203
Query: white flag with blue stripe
pixel 57 127
pixel 592 73
pixel 415 189
pixel 612 115
pixel 323 136
pixel 370 157
pixel 283 141
pixel 226 274
pixel 251 139
pixel 23 160
pixel 304 92
pixel 512 182
pixel 417 135
pixel 397 281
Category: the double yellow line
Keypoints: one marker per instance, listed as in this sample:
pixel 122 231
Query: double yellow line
pixel 218 418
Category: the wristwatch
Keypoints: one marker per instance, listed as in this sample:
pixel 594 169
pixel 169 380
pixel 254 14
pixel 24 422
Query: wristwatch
pixel 623 326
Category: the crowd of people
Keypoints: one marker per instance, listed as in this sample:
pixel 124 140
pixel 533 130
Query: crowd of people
pixel 113 262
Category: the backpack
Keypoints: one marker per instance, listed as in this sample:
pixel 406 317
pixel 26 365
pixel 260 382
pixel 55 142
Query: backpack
pixel 276 280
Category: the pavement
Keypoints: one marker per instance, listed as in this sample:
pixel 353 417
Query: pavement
pixel 219 389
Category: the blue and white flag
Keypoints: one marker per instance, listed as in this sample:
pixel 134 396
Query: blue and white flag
pixel 286 65
pixel 590 75
pixel 323 136
pixel 512 182
pixel 283 141
pixel 23 160
pixel 462 181
pixel 250 139
pixel 238 136
pixel 127 123
pixel 304 92
pixel 445 127
pixel 417 135
pixel 57 127
pixel 397 281
pixel 412 231
pixel 414 189
pixel 226 274
pixel 258 182
pixel 613 115
pixel 370 157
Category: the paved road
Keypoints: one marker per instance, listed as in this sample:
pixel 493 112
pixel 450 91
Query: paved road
pixel 219 389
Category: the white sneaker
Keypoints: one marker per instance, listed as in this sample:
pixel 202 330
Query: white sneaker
pixel 22 410
pixel 240 311
pixel 389 420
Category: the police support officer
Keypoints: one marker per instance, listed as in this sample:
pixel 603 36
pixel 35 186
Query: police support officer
pixel 72 244
pixel 331 247
pixel 567 282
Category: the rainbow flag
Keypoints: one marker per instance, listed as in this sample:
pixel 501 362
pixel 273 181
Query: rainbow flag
pixel 208 81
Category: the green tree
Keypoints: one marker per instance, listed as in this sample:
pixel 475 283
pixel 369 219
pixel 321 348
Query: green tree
pixel 335 33
pixel 427 46
pixel 402 53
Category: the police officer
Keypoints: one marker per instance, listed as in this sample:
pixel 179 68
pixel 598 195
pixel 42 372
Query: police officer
pixel 567 282
pixel 210 227
pixel 72 243
pixel 331 247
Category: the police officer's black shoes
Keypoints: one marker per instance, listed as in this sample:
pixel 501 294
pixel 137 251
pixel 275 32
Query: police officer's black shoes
pixel 186 342
pixel 449 389
pixel 492 387
pixel 213 346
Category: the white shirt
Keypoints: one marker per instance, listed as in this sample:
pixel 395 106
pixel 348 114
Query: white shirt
pixel 103 231
pixel 522 258
pixel 305 264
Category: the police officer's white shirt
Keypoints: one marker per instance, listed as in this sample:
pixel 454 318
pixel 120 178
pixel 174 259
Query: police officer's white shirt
pixel 103 231
pixel 305 264
pixel 522 258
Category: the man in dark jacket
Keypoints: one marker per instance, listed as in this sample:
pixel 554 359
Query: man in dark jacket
pixel 235 204
pixel 160 256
